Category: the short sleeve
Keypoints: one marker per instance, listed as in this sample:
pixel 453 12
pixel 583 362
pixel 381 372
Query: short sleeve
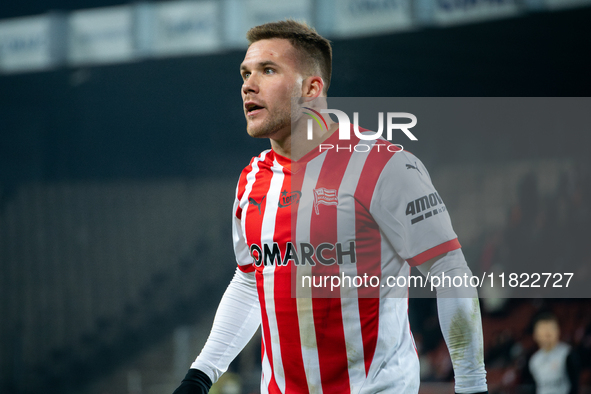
pixel 409 211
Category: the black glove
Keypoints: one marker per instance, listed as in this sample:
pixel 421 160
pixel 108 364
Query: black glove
pixel 195 382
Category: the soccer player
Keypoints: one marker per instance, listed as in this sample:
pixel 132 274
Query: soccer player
pixel 301 212
pixel 554 366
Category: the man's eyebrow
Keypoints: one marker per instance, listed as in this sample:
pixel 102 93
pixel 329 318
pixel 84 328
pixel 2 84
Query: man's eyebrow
pixel 260 65
pixel 268 63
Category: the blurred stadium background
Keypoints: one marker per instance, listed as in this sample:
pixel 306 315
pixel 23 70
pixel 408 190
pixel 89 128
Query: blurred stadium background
pixel 122 136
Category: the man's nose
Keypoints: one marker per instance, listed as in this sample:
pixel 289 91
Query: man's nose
pixel 250 85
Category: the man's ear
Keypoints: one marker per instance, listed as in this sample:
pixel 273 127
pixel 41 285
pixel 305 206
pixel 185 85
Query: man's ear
pixel 312 87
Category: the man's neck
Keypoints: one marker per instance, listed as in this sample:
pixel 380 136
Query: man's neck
pixel 550 347
pixel 296 148
pixel 282 147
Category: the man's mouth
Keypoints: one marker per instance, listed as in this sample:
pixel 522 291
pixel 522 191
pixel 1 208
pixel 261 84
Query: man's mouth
pixel 252 108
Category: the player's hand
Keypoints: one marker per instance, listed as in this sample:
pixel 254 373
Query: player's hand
pixel 195 382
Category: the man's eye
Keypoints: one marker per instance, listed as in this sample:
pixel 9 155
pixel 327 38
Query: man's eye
pixel 269 71
pixel 245 76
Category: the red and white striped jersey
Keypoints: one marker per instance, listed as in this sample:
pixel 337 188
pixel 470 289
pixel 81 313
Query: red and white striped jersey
pixel 368 208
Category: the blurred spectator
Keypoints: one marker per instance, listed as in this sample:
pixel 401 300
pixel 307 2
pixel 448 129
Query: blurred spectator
pixel 554 367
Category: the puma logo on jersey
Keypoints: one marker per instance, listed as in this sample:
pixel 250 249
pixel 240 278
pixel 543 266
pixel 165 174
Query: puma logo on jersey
pixel 422 204
pixel 287 199
pixel 270 254
pixel 409 166
pixel 255 203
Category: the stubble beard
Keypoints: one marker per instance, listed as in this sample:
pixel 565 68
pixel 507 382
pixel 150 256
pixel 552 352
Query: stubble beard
pixel 271 125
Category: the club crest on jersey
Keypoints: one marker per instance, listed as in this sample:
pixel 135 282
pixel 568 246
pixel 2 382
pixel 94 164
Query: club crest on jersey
pixel 324 196
pixel 325 253
pixel 286 199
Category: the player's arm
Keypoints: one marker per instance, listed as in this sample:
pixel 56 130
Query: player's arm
pixel 414 218
pixel 236 320
pixel 459 317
